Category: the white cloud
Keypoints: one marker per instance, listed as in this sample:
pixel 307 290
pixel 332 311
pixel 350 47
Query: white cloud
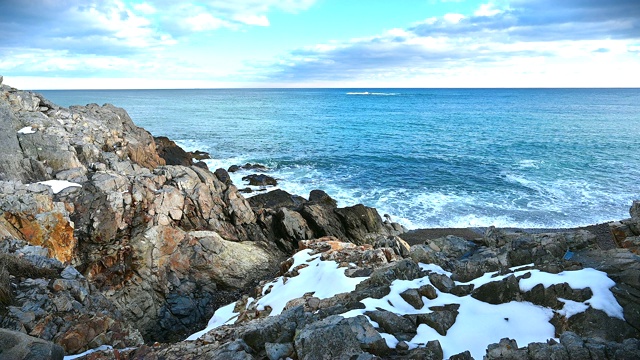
pixel 453 18
pixel 204 22
pixel 145 8
pixel 258 20
pixel 487 10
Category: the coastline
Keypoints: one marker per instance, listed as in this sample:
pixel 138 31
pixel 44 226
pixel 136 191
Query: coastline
pixel 602 231
pixel 142 244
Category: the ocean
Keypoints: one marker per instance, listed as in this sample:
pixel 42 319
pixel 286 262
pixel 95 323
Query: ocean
pixel 533 158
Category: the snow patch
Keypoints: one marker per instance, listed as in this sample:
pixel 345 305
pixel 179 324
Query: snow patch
pixel 27 130
pixel 59 185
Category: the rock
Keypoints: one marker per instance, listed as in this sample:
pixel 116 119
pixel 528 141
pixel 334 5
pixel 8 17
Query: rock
pixel 442 282
pixel 399 246
pixel 359 221
pixel 384 276
pixel 293 225
pixel 465 355
pixel 441 319
pixel 171 152
pixel 329 338
pixel 278 329
pixel 323 221
pixel 276 351
pixel 432 351
pixel 508 349
pixel 369 339
pixel 609 328
pixel 453 246
pixel 260 180
pixel 428 291
pixel 18 346
pixel 223 176
pixel 276 199
pixel 200 155
pixel 322 198
pixel 413 298
pixel 391 323
pixel 498 292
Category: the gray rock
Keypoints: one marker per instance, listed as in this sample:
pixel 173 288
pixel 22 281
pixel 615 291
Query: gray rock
pixel 413 297
pixel 428 291
pixel 498 292
pixel 432 351
pixel 392 323
pixel 441 319
pixel 329 338
pixel 275 329
pixel 276 351
pixel 236 350
pixel 19 346
pixel 507 349
pixel 442 282
pixel 370 340
pixel 260 180
pixel 465 355
pixel 276 199
pixel 322 198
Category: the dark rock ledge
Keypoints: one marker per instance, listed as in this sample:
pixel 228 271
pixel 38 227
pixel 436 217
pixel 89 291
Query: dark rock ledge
pixel 151 244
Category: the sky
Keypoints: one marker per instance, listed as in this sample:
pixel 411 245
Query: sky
pixel 131 44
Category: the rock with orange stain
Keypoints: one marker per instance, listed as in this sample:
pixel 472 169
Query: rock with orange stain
pixel 31 214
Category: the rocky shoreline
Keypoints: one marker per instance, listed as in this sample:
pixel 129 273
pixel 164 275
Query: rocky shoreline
pixel 109 237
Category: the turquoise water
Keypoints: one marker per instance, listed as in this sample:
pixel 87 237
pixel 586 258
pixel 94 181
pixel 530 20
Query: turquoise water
pixel 427 157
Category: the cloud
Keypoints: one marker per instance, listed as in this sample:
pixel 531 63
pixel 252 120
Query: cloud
pixel 60 36
pixel 497 34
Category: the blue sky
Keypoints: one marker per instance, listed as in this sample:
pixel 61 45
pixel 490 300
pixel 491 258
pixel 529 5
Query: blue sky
pixel 63 44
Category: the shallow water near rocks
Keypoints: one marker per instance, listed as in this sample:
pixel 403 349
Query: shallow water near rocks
pixel 534 158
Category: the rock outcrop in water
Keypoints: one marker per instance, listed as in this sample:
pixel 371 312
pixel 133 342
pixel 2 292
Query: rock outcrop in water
pixel 140 251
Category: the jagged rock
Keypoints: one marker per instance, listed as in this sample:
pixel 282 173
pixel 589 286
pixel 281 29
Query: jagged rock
pixel 330 338
pixel 260 180
pixel 293 225
pixel 280 329
pixel 223 176
pixel 432 351
pixel 19 346
pixel 442 282
pixel 276 199
pixel 413 298
pixel 548 296
pixel 571 346
pixel 441 319
pixel 276 351
pixel 453 246
pixel 248 166
pixel 399 246
pixel 498 292
pixel 171 152
pixel 200 155
pixel 508 349
pixel 369 339
pixel 609 328
pixel 384 276
pixel 428 291
pixel 359 221
pixel 31 214
pixel 322 198
pixel 323 221
pixel 391 323
pixel 67 309
pixel 465 355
